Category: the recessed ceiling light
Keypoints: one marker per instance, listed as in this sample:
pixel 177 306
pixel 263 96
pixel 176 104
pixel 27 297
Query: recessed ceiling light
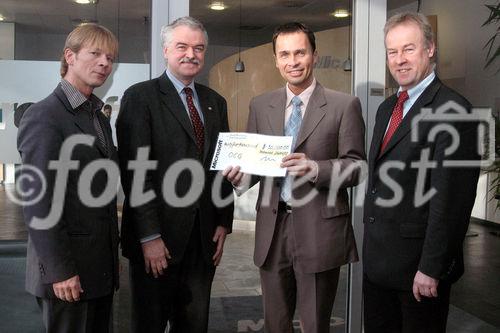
pixel 79 21
pixel 217 5
pixel 86 2
pixel 340 13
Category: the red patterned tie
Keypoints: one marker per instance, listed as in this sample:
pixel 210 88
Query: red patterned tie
pixel 396 118
pixel 195 119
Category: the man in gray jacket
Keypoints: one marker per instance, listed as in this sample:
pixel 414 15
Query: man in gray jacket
pixel 72 259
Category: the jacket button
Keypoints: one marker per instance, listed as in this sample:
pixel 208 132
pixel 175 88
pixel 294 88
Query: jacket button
pixel 274 211
pixel 374 190
pixel 371 219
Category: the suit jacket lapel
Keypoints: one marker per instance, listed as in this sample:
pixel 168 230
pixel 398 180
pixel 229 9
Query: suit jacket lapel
pixel 313 115
pixel 82 120
pixel 208 116
pixel 405 127
pixel 276 114
pixel 381 126
pixel 174 105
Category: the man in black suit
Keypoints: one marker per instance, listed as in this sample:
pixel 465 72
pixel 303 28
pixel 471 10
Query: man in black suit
pixel 173 244
pixel 415 220
pixel 72 259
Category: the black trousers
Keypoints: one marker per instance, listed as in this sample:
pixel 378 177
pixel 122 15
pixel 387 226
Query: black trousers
pixel 387 310
pixel 179 297
pixel 77 317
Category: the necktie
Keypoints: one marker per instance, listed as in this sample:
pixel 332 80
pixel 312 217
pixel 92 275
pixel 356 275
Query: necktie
pixel 396 119
pixel 292 128
pixel 98 129
pixel 199 133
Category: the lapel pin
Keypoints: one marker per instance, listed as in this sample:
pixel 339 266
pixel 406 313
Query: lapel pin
pixel 210 108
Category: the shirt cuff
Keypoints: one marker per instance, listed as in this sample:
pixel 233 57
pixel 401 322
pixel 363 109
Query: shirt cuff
pixel 149 238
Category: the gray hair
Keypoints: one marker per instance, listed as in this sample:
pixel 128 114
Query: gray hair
pixel 167 30
pixel 419 19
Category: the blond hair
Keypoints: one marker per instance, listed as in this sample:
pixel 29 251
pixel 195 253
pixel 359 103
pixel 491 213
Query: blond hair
pixel 89 34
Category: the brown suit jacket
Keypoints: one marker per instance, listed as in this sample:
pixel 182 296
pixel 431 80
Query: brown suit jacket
pixel 332 133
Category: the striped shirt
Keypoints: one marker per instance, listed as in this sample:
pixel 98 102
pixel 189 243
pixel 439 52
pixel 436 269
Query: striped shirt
pixel 77 99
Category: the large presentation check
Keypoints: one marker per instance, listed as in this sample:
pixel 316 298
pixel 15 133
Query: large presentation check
pixel 255 153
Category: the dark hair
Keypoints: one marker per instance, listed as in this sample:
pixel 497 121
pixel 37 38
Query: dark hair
pixel 292 27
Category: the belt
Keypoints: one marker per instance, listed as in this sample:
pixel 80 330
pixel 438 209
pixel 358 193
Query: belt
pixel 284 207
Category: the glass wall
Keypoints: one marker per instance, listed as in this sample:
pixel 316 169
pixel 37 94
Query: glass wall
pixel 32 35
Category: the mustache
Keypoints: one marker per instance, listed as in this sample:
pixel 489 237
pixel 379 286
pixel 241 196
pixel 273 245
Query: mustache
pixel 189 60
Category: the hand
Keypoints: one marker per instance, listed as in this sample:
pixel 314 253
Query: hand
pixel 424 285
pixel 220 238
pixel 233 174
pixel 155 256
pixel 298 164
pixel 68 290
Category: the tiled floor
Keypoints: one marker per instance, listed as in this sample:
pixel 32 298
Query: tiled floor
pixel 477 294
pixel 237 275
pixel 478 291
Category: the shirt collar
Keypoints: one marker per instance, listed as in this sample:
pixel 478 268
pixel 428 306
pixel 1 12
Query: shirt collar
pixel 304 96
pixel 416 91
pixel 178 85
pixel 76 98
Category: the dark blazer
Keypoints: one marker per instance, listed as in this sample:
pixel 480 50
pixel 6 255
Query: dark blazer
pixel 332 132
pixel 152 115
pixel 406 237
pixel 84 241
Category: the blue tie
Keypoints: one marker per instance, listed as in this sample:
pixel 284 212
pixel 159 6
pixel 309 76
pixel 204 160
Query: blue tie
pixel 292 128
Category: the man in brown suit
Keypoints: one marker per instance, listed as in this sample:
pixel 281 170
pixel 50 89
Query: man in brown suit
pixel 300 243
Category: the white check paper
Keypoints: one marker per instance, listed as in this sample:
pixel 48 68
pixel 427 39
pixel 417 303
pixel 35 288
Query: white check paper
pixel 256 154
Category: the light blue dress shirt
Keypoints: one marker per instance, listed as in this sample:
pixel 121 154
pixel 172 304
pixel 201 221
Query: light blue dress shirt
pixel 179 86
pixel 415 92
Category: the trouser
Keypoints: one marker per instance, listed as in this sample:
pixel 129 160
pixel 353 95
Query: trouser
pixel 179 297
pixel 285 287
pixel 387 310
pixel 77 317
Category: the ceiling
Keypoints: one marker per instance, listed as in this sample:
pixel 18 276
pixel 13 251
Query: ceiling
pixel 129 18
